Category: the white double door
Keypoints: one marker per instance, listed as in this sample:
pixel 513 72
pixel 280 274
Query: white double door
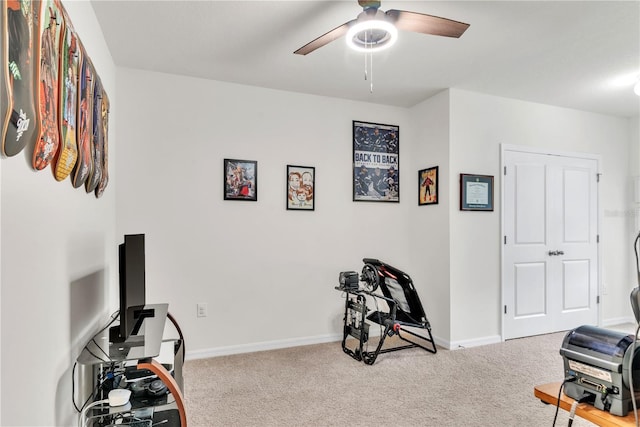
pixel 550 248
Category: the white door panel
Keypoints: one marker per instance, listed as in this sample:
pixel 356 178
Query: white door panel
pixel 575 217
pixel 530 289
pixel 529 207
pixel 575 279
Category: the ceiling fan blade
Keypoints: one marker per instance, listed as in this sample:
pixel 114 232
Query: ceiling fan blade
pixel 324 39
pixel 426 24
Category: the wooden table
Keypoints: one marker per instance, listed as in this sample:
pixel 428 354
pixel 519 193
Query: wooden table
pixel 548 393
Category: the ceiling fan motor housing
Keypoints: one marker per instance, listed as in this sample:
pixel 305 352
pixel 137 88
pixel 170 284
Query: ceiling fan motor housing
pixel 372 36
pixel 369 4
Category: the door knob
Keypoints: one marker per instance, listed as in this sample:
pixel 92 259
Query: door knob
pixel 559 252
pixel 552 253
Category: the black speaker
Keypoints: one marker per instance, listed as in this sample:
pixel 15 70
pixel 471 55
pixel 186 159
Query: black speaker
pixel 348 280
pixel 156 388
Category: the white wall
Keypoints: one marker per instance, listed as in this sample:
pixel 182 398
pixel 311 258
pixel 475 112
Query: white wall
pixel 58 253
pixel 634 154
pixel 479 124
pixel 267 274
pixel 634 197
pixel 430 237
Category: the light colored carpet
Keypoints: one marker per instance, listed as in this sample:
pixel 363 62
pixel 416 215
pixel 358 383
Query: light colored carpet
pixel 319 385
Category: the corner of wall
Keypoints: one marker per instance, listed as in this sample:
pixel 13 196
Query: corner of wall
pixel 429 246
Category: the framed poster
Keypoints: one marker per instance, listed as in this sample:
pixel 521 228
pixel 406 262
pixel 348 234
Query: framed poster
pixel 376 168
pixel 476 192
pixel 428 186
pixel 301 182
pixel 240 180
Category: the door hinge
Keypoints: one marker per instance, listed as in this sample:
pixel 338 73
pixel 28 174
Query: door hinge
pixel 598 299
pixel 598 177
pixel 597 238
pixel 505 170
pixel 505 240
pixel 505 309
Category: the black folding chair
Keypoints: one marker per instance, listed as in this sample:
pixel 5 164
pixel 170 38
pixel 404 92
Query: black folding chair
pixel 405 314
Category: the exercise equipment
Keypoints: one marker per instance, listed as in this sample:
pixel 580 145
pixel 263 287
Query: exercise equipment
pixel 405 316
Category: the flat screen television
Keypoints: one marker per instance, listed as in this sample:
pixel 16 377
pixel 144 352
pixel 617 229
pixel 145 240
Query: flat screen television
pixel 132 288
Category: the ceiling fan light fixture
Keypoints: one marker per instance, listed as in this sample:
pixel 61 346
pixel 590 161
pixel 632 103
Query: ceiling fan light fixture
pixel 371 35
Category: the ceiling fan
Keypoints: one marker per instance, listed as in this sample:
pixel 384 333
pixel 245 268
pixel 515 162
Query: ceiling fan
pixel 375 30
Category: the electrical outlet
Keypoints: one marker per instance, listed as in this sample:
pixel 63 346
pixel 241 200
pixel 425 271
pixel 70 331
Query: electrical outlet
pixel 202 310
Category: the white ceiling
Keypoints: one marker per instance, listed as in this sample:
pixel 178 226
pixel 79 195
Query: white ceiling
pixel 565 53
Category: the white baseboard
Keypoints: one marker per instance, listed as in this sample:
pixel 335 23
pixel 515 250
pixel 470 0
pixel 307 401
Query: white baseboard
pixel 618 321
pixel 320 339
pixel 261 346
pixel 441 342
pixel 475 342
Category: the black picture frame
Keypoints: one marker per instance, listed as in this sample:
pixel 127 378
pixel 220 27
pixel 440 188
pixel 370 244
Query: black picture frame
pixel 240 180
pixel 376 162
pixel 301 188
pixel 428 186
pixel 476 192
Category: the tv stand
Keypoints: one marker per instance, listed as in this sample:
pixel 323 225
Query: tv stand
pixel 111 357
pixel 115 335
pixel 139 314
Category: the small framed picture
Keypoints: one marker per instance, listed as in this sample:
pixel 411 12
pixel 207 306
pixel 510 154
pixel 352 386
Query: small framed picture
pixel 301 184
pixel 428 186
pixel 240 180
pixel 476 192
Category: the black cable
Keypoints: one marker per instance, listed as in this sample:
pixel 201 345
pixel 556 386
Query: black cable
pixel 566 380
pixel 73 394
pixel 633 356
pixel 635 338
pixel 73 386
pixel 93 340
pixel 84 405
pixel 585 397
pixel 635 249
pixel 113 316
pixel 96 356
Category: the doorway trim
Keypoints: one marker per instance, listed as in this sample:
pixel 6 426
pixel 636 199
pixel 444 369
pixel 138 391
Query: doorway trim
pixel 538 150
